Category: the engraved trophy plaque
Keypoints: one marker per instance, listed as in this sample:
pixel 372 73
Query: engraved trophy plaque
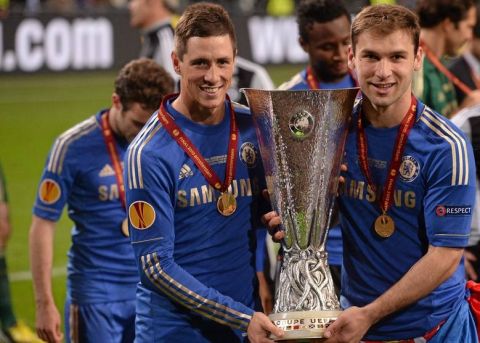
pixel 302 135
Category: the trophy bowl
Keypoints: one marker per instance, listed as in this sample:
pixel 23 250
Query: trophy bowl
pixel 301 136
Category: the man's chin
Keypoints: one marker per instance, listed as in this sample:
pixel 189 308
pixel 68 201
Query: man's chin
pixel 212 104
pixel 334 77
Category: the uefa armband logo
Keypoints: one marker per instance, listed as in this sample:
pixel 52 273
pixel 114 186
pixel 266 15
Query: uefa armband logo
pixel 49 191
pixel 141 215
pixel 448 211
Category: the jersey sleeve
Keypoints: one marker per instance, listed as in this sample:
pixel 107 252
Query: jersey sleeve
pixel 450 195
pixel 261 250
pixel 150 201
pixel 55 183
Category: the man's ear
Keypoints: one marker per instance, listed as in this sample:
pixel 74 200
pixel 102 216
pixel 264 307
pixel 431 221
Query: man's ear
pixel 351 58
pixel 447 25
pixel 418 61
pixel 303 44
pixel 175 62
pixel 116 101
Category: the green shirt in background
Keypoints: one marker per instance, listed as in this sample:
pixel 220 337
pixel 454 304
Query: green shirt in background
pixel 435 89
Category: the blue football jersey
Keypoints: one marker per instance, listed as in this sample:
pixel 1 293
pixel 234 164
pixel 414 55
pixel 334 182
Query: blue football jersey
pixel 433 199
pixel 197 266
pixel 299 82
pixel 79 173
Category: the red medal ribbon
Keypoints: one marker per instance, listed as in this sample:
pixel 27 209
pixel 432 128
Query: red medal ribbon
pixel 399 147
pixel 112 151
pixel 184 142
pixel 313 82
pixel 439 65
pixel 311 79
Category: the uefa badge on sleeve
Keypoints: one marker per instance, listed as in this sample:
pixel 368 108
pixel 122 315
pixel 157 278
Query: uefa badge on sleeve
pixel 141 215
pixel 49 191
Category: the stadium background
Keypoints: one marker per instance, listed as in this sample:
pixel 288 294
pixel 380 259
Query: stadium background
pixel 46 90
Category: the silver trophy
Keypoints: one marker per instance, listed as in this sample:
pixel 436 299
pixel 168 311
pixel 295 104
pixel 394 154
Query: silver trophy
pixel 301 136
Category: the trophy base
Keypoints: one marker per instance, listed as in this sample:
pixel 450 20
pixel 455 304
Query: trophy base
pixel 303 325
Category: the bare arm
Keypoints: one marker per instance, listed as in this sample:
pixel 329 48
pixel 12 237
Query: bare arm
pixel 265 293
pixel 41 256
pixel 438 264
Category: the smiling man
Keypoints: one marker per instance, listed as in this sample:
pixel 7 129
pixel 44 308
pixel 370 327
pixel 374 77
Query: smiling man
pixel 194 179
pixel 406 201
pixel 403 276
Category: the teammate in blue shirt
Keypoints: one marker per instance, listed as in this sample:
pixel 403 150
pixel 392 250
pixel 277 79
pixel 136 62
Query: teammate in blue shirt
pixel 84 171
pixel 407 199
pixel 324 28
pixel 193 181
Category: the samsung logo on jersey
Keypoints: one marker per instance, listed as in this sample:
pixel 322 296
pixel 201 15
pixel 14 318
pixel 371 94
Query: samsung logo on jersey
pixel 206 194
pixel 362 191
pixel 444 211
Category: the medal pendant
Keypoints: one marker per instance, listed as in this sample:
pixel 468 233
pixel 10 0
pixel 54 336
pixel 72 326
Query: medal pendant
pixel 226 204
pixel 384 226
pixel 124 228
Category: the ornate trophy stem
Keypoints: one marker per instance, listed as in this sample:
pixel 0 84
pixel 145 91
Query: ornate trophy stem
pixel 305 283
pixel 301 136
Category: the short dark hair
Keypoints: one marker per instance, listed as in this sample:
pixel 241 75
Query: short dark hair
pixel 203 20
pixel 310 12
pixel 143 81
pixel 433 12
pixel 386 19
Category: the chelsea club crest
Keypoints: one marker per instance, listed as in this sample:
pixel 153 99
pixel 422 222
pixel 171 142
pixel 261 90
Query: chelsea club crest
pixel 409 169
pixel 248 154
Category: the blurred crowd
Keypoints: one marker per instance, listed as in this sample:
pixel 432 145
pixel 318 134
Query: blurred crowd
pixel 234 7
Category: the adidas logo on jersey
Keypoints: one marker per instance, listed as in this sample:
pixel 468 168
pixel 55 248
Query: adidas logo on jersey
pixel 107 170
pixel 185 172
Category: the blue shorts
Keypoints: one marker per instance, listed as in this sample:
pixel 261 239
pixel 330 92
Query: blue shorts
pixel 459 327
pixel 112 322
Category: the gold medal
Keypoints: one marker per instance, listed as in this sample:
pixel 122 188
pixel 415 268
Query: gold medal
pixel 124 228
pixel 384 226
pixel 226 204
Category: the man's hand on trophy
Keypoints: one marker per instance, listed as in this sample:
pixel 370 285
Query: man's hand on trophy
pixel 260 328
pixel 272 222
pixel 341 179
pixel 350 326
